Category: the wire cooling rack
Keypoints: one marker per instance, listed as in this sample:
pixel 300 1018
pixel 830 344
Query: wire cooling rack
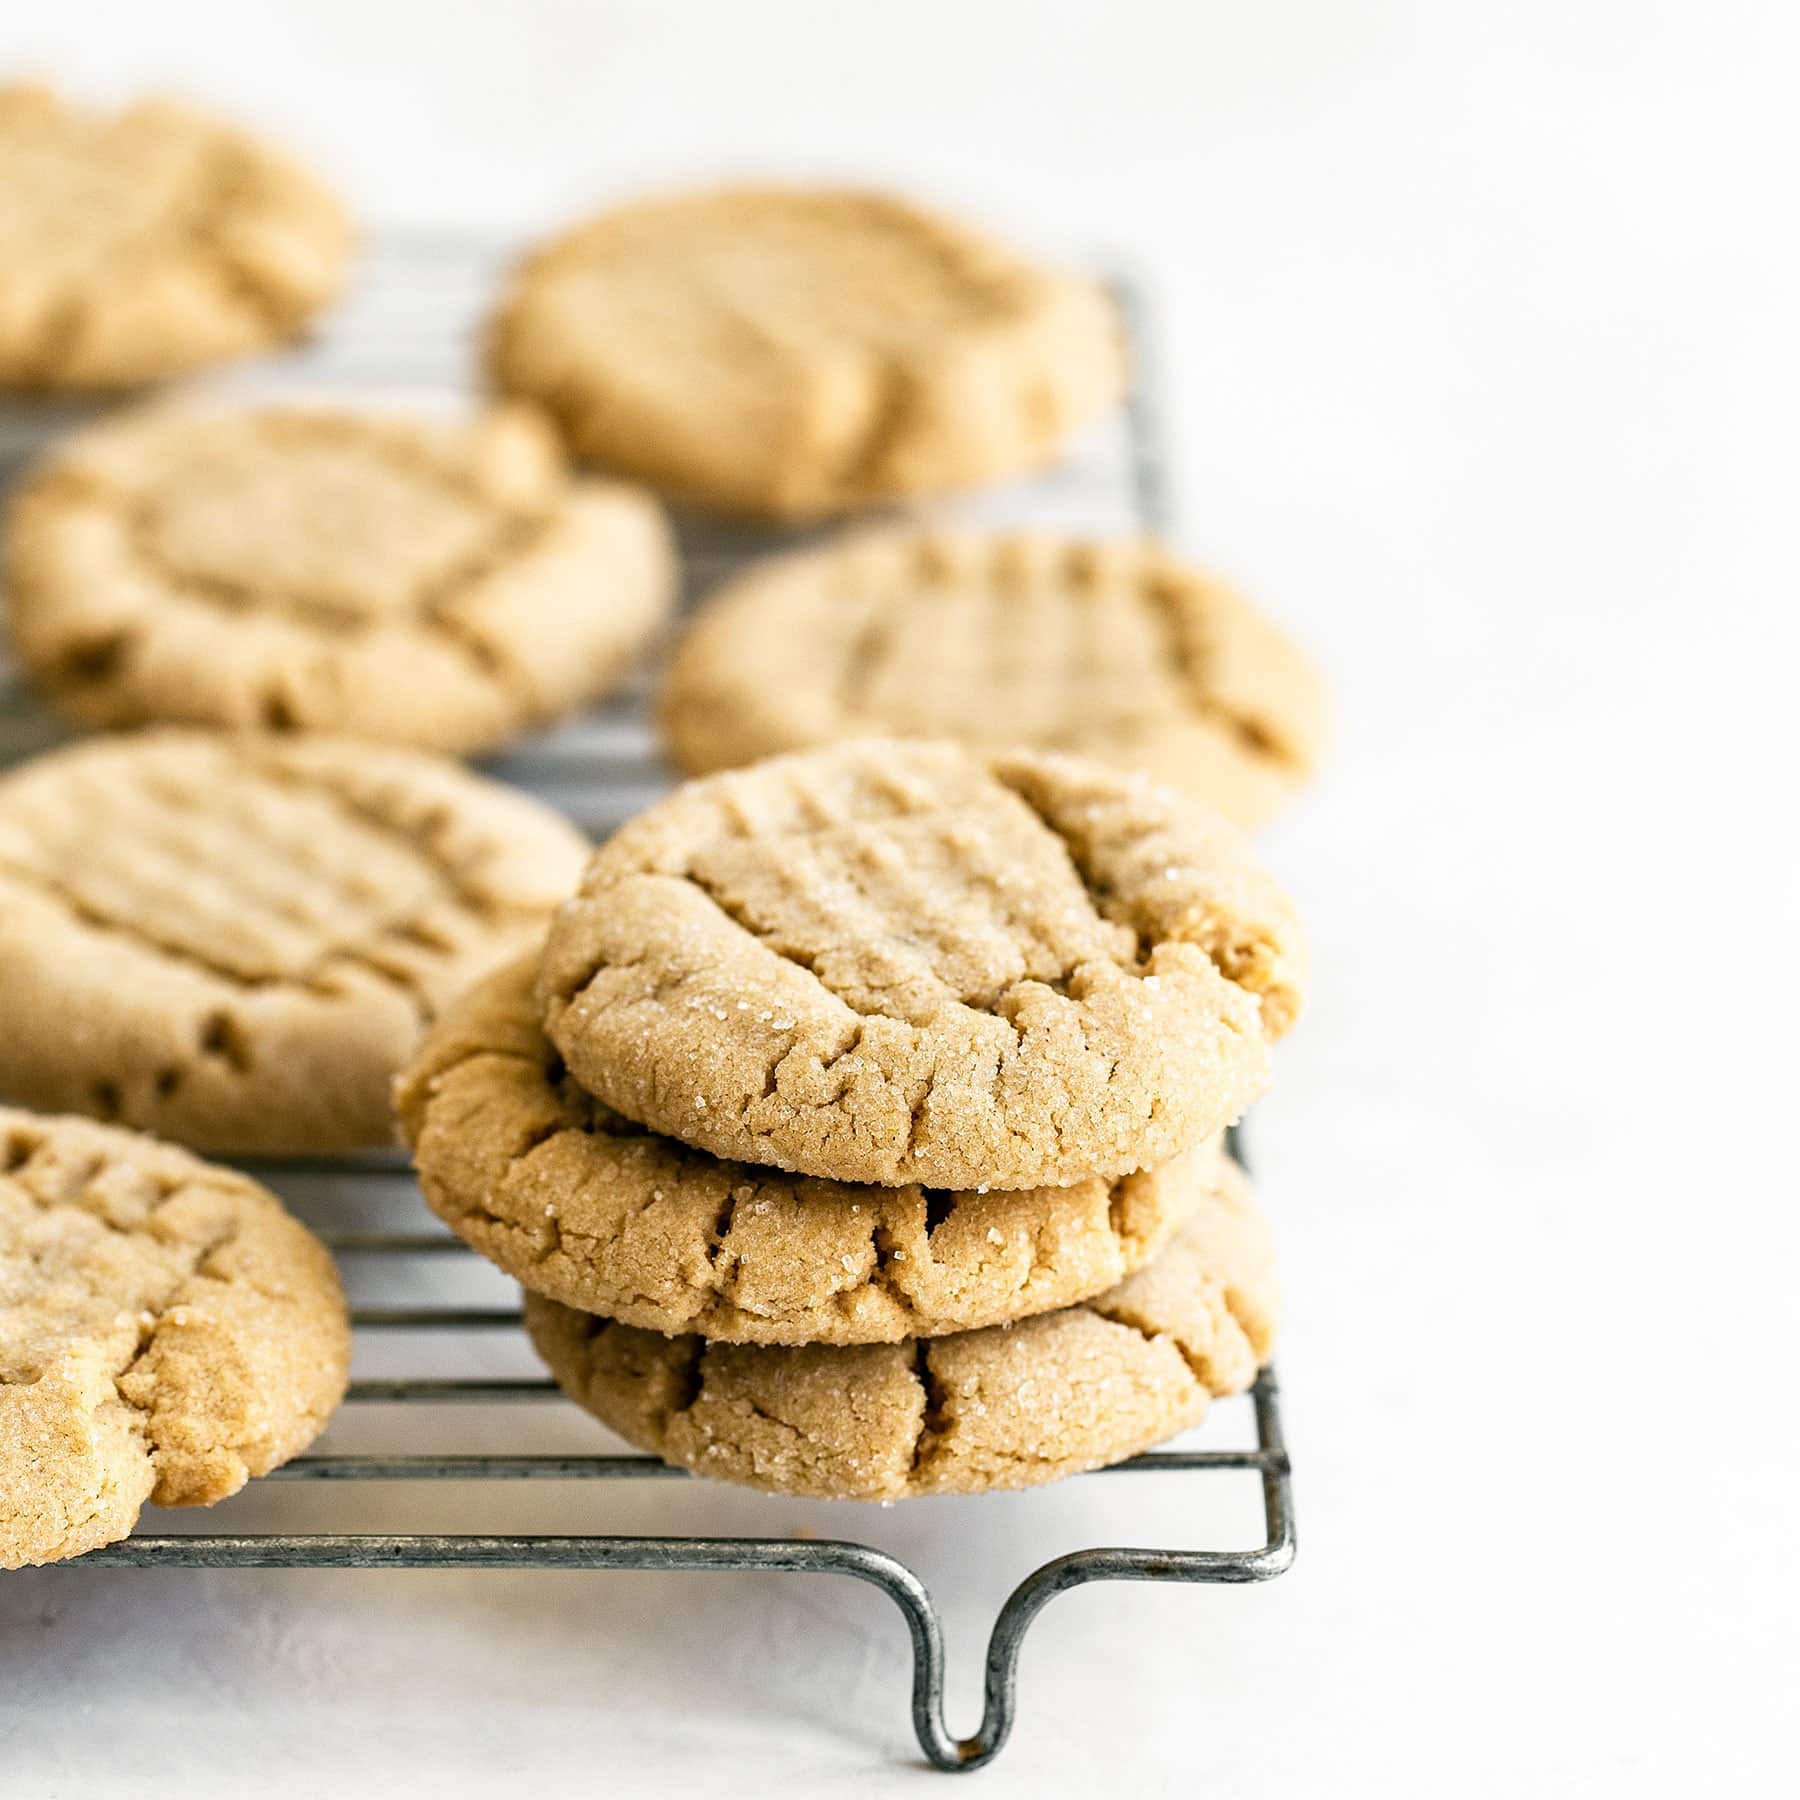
pixel 406 333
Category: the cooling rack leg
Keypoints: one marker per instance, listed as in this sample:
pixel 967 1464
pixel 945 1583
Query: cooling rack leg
pixel 1040 1587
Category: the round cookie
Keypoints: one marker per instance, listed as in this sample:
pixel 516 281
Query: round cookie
pixel 167 1331
pixel 441 584
pixel 903 962
pixel 1005 1407
pixel 793 352
pixel 582 1205
pixel 1111 650
pixel 140 244
pixel 235 941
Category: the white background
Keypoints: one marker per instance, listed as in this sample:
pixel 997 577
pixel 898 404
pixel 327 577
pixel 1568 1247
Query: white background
pixel 1480 328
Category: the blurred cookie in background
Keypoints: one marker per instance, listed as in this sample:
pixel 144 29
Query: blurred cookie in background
pixel 1112 650
pixel 793 353
pixel 235 941
pixel 445 584
pixel 140 244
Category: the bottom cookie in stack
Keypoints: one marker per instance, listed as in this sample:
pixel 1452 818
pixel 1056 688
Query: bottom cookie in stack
pixel 823 1338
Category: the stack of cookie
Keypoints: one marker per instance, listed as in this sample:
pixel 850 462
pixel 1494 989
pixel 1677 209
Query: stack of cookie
pixel 857 1130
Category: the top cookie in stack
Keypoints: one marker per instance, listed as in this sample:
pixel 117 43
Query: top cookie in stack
pixel 859 1056
pixel 897 962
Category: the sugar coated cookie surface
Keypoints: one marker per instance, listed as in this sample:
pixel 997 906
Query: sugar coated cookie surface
pixel 167 1331
pixel 442 584
pixel 903 962
pixel 1111 650
pixel 582 1205
pixel 139 244
pixel 234 941
pixel 1005 1407
pixel 797 352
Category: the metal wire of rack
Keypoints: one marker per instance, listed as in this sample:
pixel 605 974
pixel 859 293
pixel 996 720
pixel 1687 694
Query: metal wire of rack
pixel 407 330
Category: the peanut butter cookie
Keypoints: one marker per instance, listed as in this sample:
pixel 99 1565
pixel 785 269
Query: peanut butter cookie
pixel 795 352
pixel 445 585
pixel 584 1206
pixel 137 245
pixel 1006 1407
pixel 1111 650
pixel 235 941
pixel 167 1331
pixel 902 962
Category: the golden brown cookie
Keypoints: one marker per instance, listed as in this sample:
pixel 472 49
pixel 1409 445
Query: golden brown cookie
pixel 1006 1407
pixel 903 962
pixel 166 1332
pixel 798 352
pixel 1111 650
pixel 139 244
pixel 235 941
pixel 439 584
pixel 582 1205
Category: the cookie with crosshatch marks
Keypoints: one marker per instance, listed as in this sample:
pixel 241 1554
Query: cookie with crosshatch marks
pixel 234 941
pixel 167 1331
pixel 445 584
pixel 904 962
pixel 139 244
pixel 1004 1407
pixel 794 352
pixel 587 1208
pixel 1115 650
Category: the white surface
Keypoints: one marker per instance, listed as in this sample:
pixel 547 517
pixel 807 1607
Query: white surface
pixel 1481 328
